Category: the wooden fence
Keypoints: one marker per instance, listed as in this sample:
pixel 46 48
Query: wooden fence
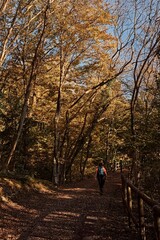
pixel 142 211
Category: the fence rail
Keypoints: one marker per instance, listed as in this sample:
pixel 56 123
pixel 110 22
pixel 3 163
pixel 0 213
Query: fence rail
pixel 135 203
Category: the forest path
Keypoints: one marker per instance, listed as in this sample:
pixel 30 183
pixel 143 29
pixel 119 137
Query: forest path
pixel 76 211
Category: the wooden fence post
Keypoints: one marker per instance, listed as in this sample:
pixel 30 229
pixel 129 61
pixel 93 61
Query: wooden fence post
pixel 127 189
pixel 156 214
pixel 129 198
pixel 141 218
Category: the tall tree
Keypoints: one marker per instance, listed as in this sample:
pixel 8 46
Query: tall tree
pixel 24 28
pixel 77 52
pixel 138 37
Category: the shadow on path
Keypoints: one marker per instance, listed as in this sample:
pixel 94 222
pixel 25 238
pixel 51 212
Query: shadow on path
pixel 75 212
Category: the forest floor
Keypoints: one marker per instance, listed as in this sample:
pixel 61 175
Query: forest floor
pixel 76 211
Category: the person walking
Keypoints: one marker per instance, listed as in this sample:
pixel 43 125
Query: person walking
pixel 101 174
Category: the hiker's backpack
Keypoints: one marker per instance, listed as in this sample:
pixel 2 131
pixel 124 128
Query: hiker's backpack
pixel 101 171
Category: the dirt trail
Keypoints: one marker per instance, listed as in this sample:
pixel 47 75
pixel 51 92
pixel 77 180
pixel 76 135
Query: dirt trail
pixel 74 212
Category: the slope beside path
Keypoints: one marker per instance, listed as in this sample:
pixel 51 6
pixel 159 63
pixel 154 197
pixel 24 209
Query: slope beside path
pixel 74 212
